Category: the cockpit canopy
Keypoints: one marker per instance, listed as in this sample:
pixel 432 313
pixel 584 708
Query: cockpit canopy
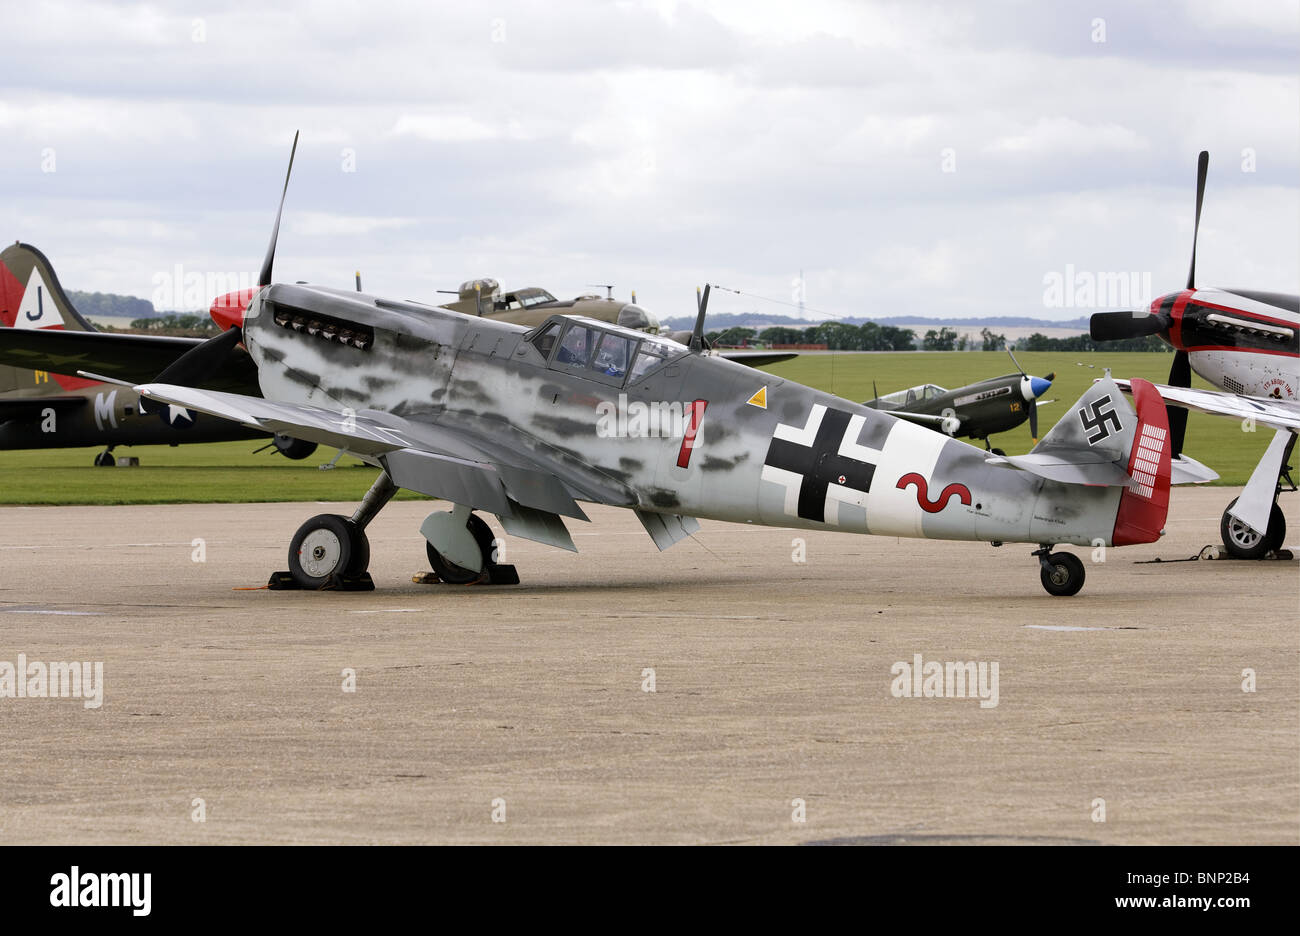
pixel 599 351
pixel 913 395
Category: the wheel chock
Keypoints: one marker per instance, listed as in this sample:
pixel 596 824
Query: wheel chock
pixel 283 581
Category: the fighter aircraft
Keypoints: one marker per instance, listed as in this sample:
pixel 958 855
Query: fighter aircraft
pixel 524 423
pixel 976 410
pixel 1245 342
pixel 44 405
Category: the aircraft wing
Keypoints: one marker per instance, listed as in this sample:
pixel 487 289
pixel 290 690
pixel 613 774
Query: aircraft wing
pixel 1278 414
pixel 758 358
pixel 528 491
pixel 125 357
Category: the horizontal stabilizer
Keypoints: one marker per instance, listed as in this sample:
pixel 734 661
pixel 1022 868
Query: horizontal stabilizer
pixel 1187 470
pixel 1060 467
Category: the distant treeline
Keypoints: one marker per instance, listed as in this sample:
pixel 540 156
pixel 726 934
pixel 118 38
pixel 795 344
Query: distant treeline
pixel 177 323
pixel 98 303
pixel 870 336
pixel 838 336
pixel 1040 342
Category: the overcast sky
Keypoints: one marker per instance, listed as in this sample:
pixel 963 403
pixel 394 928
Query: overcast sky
pixel 658 145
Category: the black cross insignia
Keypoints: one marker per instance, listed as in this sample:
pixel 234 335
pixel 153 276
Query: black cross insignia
pixel 821 464
pixel 1098 420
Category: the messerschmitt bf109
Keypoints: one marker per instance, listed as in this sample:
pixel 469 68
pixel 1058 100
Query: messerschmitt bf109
pixel 526 423
pixel 1246 342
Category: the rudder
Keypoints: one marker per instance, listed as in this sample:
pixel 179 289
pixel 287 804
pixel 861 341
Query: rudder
pixel 1144 505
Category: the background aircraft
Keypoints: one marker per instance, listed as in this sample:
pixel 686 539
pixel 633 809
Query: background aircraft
pixel 1245 342
pixel 976 410
pixel 532 306
pixel 43 404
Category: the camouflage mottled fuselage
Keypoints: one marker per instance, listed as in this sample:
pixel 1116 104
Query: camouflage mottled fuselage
pixel 806 459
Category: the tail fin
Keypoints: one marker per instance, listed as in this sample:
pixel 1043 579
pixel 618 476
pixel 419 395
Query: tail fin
pixel 1144 505
pixel 30 293
pixel 1101 441
pixel 32 298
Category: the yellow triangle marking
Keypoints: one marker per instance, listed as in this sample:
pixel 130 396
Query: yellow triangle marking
pixel 759 399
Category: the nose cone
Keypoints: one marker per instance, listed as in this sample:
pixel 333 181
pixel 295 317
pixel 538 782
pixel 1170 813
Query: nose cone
pixel 1038 386
pixel 228 310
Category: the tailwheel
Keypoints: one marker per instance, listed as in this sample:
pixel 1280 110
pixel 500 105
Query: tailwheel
pixel 326 549
pixel 105 459
pixel 1244 542
pixel 1062 573
pixel 453 574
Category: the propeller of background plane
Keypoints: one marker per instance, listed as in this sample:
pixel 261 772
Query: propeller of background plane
pixel 203 360
pixel 1112 326
pixel 1037 387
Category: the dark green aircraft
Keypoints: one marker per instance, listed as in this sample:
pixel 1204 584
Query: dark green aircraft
pixel 976 411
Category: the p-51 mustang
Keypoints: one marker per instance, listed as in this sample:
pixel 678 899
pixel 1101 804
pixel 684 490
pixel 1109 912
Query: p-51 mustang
pixel 1245 342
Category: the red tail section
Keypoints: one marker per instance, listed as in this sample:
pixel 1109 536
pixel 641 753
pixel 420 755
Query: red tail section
pixel 1145 503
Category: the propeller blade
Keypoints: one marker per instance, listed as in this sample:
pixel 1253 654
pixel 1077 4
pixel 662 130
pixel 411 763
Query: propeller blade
pixel 1033 421
pixel 697 336
pixel 200 362
pixel 1180 375
pixel 1202 168
pixel 1114 326
pixel 1017 363
pixel 264 277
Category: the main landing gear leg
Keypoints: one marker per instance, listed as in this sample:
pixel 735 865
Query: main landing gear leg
pixel 1242 540
pixel 1062 573
pixel 462 550
pixel 332 551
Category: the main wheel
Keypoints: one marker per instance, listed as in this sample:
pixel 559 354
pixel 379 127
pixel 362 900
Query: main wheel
pixel 105 460
pixel 1243 542
pixel 1063 574
pixel 453 574
pixel 325 546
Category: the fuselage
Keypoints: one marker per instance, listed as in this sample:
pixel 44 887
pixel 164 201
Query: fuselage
pixel 663 429
pixel 1242 341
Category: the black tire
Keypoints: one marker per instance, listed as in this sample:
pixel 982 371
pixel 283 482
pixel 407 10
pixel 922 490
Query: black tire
pixel 295 449
pixel 105 460
pixel 453 574
pixel 1243 542
pixel 360 550
pixel 322 548
pixel 1063 575
pixel 997 451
